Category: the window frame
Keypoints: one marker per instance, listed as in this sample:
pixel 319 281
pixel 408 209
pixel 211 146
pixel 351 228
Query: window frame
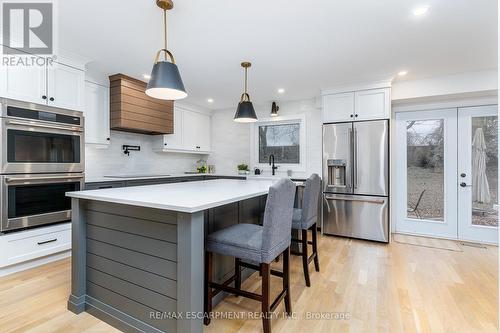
pixel 280 120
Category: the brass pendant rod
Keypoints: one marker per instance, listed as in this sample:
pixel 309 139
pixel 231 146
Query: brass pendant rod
pixel 246 79
pixel 165 26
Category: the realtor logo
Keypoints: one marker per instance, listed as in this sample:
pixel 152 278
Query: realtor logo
pixel 27 27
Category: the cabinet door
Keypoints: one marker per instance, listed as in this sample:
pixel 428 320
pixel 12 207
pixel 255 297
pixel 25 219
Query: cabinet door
pixel 191 126
pixel 338 107
pixel 66 87
pixel 204 132
pixel 174 140
pixel 373 104
pixel 96 114
pixel 24 83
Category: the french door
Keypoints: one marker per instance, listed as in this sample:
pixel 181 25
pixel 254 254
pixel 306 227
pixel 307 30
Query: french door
pixel 447 173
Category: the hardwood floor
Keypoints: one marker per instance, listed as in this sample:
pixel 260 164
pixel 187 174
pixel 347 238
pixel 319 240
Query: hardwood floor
pixel 379 288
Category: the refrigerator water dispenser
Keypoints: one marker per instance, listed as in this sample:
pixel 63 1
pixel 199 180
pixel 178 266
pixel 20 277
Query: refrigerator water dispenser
pixel 337 172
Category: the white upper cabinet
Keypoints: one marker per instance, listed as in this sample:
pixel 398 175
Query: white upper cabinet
pixel 66 87
pixel 174 140
pixel 372 104
pixel 366 104
pixel 57 85
pixel 191 133
pixel 195 131
pixel 96 114
pixel 338 107
pixel 24 83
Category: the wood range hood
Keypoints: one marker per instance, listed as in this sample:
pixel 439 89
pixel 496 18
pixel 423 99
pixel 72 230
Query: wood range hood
pixel 131 110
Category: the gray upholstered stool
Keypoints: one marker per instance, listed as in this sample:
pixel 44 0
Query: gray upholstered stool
pixel 259 245
pixel 306 219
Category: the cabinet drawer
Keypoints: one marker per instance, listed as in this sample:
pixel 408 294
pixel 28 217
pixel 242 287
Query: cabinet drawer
pixel 26 246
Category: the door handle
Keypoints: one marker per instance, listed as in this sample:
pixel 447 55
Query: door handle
pixel 462 184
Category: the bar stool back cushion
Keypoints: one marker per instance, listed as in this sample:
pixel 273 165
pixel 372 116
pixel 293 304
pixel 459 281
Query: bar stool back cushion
pixel 304 218
pixel 276 236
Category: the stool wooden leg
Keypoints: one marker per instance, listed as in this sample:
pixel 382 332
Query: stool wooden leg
pixel 305 258
pixel 208 289
pixel 286 281
pixel 266 302
pixel 315 246
pixel 237 272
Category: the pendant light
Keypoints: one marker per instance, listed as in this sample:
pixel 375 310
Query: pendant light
pixel 274 110
pixel 165 82
pixel 245 112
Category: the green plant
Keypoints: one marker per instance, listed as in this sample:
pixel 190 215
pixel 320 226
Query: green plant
pixel 202 169
pixel 243 167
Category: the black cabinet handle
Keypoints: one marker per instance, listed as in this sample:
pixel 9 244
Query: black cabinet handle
pixel 47 241
pixel 103 187
pixel 51 99
pixel 109 139
pixel 164 144
pixel 356 115
pixel 198 147
pixel 352 115
pixel 44 97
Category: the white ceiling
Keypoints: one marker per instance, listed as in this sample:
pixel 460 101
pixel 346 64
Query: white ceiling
pixel 302 46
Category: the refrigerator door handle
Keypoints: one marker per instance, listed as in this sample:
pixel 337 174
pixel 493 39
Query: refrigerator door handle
pixel 355 164
pixel 351 153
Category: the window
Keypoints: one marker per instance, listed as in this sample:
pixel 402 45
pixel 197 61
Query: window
pixel 284 137
pixel 280 140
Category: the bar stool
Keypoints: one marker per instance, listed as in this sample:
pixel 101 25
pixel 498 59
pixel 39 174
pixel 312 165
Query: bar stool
pixel 255 247
pixel 306 219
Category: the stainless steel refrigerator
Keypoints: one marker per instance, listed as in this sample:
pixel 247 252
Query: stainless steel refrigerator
pixel 356 179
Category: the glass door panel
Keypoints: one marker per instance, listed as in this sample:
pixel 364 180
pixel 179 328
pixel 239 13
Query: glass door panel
pixel 426 166
pixel 478 174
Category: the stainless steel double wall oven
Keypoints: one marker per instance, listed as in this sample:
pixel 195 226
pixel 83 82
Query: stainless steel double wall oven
pixel 41 158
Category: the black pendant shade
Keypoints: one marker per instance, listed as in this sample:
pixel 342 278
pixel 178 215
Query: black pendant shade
pixel 166 82
pixel 245 113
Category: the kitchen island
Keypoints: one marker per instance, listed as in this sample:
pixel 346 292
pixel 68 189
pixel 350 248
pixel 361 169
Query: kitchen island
pixel 137 252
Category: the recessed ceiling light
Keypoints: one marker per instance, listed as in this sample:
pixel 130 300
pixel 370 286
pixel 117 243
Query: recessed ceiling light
pixel 403 73
pixel 418 11
pixel 146 76
pixel 210 100
pixel 281 91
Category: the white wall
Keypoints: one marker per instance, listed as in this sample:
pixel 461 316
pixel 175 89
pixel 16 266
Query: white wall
pixel 112 161
pixel 464 83
pixel 231 141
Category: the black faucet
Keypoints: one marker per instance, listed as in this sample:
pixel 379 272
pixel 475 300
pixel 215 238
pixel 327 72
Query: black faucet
pixel 271 162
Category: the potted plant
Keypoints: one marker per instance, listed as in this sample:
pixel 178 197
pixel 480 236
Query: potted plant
pixel 243 169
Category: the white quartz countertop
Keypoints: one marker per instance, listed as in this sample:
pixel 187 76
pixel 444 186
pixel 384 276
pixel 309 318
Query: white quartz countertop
pixel 188 197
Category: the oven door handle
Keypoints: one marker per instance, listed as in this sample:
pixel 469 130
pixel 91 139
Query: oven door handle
pixel 33 124
pixel 21 179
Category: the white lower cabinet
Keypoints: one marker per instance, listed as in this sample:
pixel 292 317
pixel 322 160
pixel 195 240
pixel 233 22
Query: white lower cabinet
pixel 191 133
pixel 96 114
pixel 22 246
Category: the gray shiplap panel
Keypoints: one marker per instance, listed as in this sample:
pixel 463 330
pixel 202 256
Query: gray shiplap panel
pixel 152 281
pixel 130 307
pixel 134 292
pixel 137 243
pixel 143 213
pixel 157 230
pixel 142 261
